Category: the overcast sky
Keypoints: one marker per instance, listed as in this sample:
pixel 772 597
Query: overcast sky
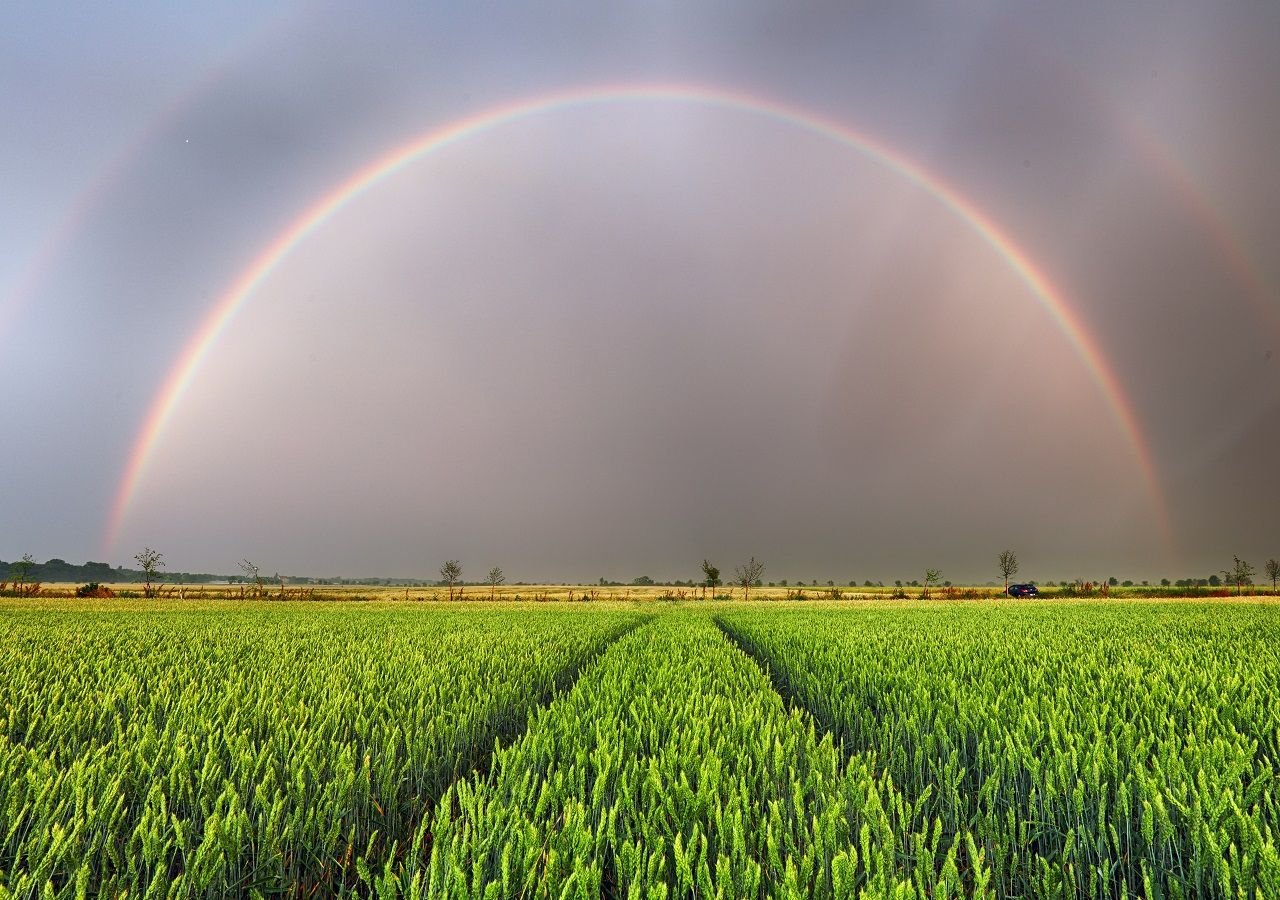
pixel 613 339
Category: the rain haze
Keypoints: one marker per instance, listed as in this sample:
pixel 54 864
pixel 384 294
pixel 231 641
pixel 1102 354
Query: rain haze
pixel 589 290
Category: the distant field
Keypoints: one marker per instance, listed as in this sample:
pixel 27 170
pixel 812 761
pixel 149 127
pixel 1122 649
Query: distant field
pixel 639 749
pixel 616 593
pixel 506 592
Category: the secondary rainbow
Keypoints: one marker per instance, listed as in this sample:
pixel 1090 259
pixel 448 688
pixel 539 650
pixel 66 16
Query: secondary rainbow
pixel 73 220
pixel 320 211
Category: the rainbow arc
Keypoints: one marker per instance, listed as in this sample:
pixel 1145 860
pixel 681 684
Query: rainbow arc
pixel 234 298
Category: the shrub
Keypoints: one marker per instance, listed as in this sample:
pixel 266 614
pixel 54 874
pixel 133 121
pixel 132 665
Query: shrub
pixel 93 589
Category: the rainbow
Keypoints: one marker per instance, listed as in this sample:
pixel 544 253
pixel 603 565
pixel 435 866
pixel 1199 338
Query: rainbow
pixel 1231 246
pixel 382 168
pixel 73 220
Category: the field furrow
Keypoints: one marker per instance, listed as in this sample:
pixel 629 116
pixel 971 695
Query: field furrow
pixel 220 752
pixel 1093 751
pixel 673 768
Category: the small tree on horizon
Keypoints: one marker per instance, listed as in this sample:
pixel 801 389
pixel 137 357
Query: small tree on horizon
pixel 495 578
pixel 932 578
pixel 710 577
pixel 1240 574
pixel 151 562
pixel 1273 572
pixel 1008 566
pixel 748 574
pixel 21 571
pixel 252 573
pixel 451 574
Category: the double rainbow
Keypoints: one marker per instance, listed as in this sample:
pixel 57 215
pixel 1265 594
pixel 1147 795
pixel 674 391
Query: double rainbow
pixel 382 168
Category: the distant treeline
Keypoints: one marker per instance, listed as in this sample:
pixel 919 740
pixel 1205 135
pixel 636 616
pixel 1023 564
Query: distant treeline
pixel 59 570
pixel 62 572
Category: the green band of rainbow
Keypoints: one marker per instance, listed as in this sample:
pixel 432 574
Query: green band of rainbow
pixel 230 302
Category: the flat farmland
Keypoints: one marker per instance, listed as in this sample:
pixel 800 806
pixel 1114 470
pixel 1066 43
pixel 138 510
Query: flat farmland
pixel 867 749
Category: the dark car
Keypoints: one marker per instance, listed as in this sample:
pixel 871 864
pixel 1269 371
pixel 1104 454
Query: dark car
pixel 1023 590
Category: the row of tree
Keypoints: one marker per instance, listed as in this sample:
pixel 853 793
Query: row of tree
pixel 451 576
pixel 745 576
pixel 27 572
pixel 149 560
pixel 1238 576
pixel 748 575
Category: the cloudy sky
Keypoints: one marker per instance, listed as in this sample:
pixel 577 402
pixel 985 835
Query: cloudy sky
pixel 857 289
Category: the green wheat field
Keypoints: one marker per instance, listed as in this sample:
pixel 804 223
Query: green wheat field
pixel 639 750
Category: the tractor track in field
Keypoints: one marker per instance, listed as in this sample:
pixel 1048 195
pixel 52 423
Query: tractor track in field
pixel 781 686
pixel 479 763
pixel 475 760
pixel 792 700
pixel 482 764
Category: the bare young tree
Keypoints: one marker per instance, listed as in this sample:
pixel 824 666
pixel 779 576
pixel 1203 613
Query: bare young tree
pixel 252 573
pixel 1240 574
pixel 151 562
pixel 1273 572
pixel 1008 566
pixel 747 575
pixel 451 574
pixel 711 578
pixel 932 578
pixel 495 578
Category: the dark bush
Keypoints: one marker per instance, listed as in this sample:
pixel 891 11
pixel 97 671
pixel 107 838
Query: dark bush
pixel 93 589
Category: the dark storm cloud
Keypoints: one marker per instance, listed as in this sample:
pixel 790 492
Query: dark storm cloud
pixel 603 344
